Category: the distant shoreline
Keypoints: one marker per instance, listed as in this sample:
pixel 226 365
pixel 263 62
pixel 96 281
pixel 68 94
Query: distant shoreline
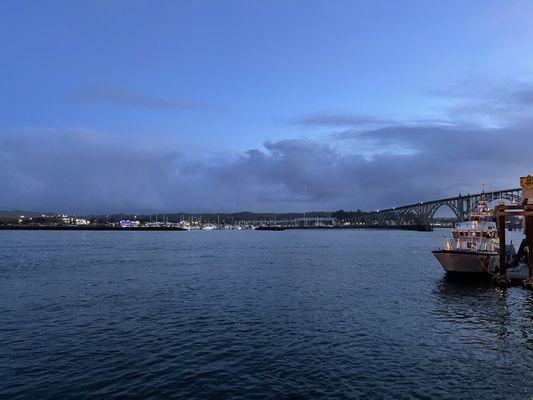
pixel 422 228
pixel 84 228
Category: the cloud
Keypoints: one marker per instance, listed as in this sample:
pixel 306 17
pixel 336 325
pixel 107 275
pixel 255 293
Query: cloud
pixel 356 122
pixel 469 103
pixel 364 167
pixel 480 101
pixel 446 162
pixel 328 120
pixel 129 98
pixel 82 171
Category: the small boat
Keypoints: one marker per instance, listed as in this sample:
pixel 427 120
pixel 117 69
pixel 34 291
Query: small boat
pixel 475 245
pixel 209 227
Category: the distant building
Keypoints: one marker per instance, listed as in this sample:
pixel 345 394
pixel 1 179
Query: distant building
pixel 126 223
pixel 68 220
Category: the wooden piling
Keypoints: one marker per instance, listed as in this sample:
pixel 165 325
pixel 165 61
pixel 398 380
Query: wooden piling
pixel 501 235
pixel 528 224
pixel 526 183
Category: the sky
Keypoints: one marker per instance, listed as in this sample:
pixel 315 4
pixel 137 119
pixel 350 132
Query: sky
pixel 221 106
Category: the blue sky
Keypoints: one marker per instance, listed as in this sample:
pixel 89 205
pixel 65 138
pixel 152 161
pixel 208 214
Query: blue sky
pixel 276 88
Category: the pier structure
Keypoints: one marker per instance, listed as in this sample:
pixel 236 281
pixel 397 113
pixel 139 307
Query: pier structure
pixel 422 213
pixel 525 252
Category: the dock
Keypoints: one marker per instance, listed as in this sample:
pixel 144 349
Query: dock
pixel 521 272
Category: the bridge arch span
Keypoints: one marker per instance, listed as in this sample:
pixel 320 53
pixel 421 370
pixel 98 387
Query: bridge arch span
pixel 390 216
pixel 451 206
pixel 423 212
pixel 409 217
pixel 510 197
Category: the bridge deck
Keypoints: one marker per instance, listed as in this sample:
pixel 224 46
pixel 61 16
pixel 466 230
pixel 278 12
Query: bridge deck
pixel 460 205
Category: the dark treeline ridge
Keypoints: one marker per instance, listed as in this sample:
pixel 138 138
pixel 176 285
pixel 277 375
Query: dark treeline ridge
pixel 348 216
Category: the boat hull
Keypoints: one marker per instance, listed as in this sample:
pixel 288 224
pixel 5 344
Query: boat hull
pixel 467 261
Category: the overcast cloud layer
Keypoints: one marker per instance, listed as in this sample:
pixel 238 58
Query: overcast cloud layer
pixel 348 166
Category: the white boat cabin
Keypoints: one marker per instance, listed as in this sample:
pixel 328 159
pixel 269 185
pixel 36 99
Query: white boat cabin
pixel 480 233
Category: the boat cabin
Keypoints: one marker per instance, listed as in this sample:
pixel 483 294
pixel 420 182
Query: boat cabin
pixel 480 233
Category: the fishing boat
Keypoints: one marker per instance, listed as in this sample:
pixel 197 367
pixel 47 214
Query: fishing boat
pixel 474 245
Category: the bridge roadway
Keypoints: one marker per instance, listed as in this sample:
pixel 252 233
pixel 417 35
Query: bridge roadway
pixel 422 213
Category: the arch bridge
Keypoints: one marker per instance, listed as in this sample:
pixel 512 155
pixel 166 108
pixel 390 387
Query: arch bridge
pixel 422 213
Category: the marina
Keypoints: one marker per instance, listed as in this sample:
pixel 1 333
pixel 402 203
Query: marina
pixel 419 217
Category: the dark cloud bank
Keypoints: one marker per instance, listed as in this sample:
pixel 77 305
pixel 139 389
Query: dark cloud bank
pixel 85 172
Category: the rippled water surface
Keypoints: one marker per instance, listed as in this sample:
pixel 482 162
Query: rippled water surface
pixel 248 314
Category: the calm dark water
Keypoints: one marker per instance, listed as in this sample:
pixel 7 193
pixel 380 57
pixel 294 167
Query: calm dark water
pixel 244 314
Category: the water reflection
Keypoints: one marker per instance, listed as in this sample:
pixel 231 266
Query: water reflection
pixel 475 304
pixel 451 283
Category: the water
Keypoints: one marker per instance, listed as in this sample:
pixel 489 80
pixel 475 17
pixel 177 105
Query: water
pixel 244 314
